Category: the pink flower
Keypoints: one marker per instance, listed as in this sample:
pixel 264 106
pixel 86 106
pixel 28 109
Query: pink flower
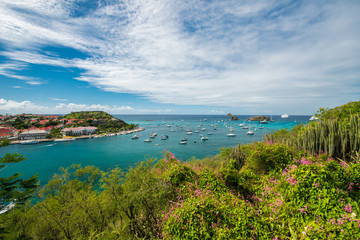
pixel 348 208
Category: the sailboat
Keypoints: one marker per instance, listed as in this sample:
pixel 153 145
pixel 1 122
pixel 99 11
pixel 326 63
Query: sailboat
pixel 284 116
pixel 250 132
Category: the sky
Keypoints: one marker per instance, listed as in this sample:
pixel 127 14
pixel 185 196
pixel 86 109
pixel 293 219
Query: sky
pixel 178 57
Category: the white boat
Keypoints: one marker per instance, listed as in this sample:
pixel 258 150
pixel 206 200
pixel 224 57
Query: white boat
pixel 261 127
pixel 203 129
pixel 313 118
pixel 284 116
pixel 135 137
pixel 232 129
pixel 263 122
pixel 188 133
pixel 164 137
pixel 8 207
pixel 197 131
pixel 209 133
pixel 183 142
pixel 203 138
pixel 147 140
pixel 70 139
pixel 250 132
pixel 153 135
pixel 30 142
pixel 184 139
pixel 231 134
pixel 245 127
pixel 271 120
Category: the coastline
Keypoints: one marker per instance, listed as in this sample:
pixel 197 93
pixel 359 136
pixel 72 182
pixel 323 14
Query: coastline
pixel 137 129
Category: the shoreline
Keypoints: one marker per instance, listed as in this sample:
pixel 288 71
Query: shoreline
pixel 126 132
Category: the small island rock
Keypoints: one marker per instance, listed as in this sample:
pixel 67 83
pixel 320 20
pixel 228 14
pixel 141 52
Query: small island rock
pixel 259 118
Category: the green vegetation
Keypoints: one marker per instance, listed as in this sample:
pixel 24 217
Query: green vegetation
pixel 336 133
pixel 105 122
pixel 275 189
pixel 84 115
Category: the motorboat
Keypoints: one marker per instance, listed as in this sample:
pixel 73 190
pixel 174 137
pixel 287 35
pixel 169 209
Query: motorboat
pixel 164 137
pixel 203 138
pixel 183 142
pixel 135 137
pixel 231 134
pixel 30 142
pixel 284 116
pixel 147 140
pixel 68 139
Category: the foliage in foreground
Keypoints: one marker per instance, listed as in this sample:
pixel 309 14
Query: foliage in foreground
pixel 291 194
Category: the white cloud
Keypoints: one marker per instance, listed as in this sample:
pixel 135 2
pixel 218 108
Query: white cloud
pixel 59 99
pixel 263 55
pixel 10 106
pixel 15 107
pixel 72 107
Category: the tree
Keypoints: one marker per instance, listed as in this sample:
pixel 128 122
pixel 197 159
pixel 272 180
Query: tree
pixel 14 187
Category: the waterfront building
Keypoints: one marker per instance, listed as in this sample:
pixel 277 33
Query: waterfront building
pixel 33 134
pixel 79 131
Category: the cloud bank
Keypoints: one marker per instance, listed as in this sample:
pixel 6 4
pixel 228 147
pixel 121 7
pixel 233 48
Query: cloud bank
pixel 15 107
pixel 262 55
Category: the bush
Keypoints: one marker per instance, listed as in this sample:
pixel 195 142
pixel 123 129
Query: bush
pixel 266 157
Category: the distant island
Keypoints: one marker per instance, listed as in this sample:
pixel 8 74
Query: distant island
pixel 259 118
pixel 233 118
pixel 75 124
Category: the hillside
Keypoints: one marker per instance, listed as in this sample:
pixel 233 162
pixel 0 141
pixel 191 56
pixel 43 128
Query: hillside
pixel 105 122
pixel 342 112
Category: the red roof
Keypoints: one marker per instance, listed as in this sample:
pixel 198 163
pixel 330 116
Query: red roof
pixel 2 135
pixel 33 128
pixel 46 128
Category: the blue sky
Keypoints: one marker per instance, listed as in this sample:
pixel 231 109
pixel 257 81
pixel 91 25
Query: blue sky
pixel 178 57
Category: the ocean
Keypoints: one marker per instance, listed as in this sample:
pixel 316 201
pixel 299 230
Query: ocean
pixel 122 151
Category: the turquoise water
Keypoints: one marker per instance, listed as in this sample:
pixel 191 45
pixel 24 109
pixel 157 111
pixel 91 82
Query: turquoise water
pixel 108 152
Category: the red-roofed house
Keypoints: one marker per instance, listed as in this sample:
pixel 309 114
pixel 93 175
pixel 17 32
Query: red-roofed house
pixel 7 132
pixel 33 128
pixel 47 128
pixel 43 122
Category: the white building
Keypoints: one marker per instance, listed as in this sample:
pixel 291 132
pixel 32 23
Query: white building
pixel 33 134
pixel 79 131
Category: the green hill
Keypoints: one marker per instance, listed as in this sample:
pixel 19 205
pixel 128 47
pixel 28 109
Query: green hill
pixel 83 115
pixel 105 122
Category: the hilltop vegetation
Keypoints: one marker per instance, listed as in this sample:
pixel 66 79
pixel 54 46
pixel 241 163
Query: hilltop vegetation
pixel 342 112
pixel 275 189
pixel 105 122
pixel 84 115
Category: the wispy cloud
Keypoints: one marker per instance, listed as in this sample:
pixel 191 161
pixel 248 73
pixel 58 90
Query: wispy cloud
pixel 263 55
pixel 59 99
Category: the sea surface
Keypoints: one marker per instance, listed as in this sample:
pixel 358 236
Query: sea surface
pixel 122 151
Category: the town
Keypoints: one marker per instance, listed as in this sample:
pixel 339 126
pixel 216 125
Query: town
pixel 32 128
